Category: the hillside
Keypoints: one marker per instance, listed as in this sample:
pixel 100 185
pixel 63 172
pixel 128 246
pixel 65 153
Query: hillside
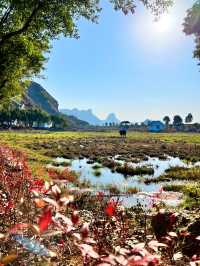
pixel 38 97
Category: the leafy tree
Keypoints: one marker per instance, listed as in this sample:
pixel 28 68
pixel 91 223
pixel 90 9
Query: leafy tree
pixel 192 26
pixel 58 122
pixel 41 117
pixel 189 118
pixel 177 120
pixel 4 117
pixel 25 118
pixel 30 116
pixel 27 27
pixel 166 119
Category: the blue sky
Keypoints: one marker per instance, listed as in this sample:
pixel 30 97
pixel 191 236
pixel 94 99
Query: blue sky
pixel 129 65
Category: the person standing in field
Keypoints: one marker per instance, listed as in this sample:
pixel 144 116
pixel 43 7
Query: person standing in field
pixel 124 125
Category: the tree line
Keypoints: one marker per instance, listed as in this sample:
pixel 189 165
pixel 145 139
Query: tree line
pixel 30 118
pixel 178 120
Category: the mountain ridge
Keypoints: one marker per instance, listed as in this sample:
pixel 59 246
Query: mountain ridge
pixel 38 97
pixel 90 117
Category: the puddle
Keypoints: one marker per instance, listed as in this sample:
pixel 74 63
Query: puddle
pixel 160 166
pixel 107 177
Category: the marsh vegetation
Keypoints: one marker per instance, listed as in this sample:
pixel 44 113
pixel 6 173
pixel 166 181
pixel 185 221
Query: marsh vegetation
pixel 121 174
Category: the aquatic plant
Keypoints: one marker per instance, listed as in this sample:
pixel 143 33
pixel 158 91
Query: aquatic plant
pixel 97 173
pixel 62 163
pixel 96 167
pixel 174 187
pixel 129 170
pixel 132 190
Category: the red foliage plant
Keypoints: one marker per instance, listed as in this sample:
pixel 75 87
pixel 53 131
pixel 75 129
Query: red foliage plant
pixel 65 175
pixel 14 176
pixel 41 221
pixel 110 209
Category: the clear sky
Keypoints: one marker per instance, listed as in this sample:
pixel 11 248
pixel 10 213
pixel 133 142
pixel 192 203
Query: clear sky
pixel 130 65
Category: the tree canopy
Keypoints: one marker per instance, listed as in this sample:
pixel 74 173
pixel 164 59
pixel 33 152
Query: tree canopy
pixel 189 118
pixel 177 120
pixel 27 27
pixel 192 26
pixel 166 119
pixel 30 118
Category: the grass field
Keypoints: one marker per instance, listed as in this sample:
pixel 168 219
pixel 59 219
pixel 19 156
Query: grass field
pixel 13 136
pixel 21 140
pixel 42 146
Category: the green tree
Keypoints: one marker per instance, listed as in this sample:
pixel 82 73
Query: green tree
pixel 178 121
pixel 23 117
pixel 166 119
pixel 27 27
pixel 58 121
pixel 4 117
pixel 192 26
pixel 41 117
pixel 189 118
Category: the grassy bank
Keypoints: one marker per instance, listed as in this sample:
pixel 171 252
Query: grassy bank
pixel 42 146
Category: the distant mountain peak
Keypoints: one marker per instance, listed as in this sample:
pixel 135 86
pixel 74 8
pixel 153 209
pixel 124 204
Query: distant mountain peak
pixel 38 97
pixel 90 117
pixel 111 118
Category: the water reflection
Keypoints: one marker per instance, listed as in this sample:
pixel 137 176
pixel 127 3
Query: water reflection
pixel 107 177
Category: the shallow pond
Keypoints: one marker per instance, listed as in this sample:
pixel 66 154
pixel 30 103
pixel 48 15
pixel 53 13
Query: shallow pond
pixel 107 177
pixel 86 171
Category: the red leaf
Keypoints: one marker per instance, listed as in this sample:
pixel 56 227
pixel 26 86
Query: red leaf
pixel 17 227
pixel 85 230
pixel 45 220
pixel 111 208
pixel 75 217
